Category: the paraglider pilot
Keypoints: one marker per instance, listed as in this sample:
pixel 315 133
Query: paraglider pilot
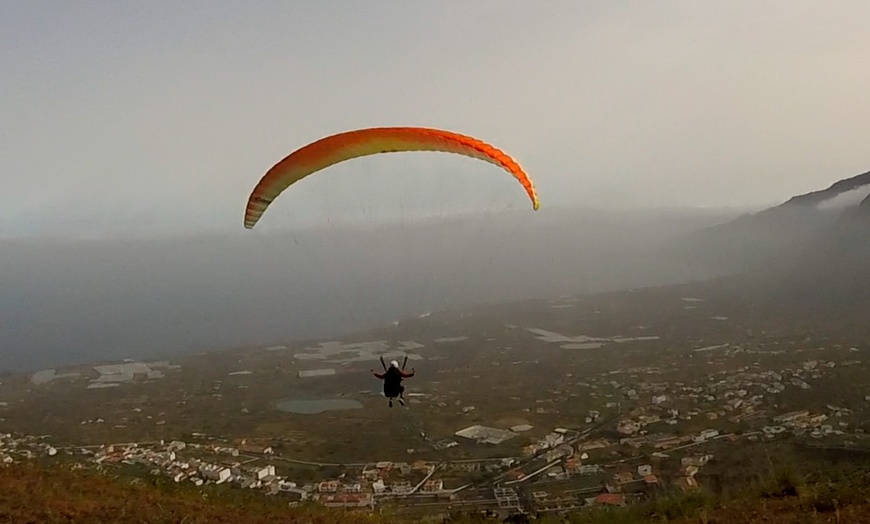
pixel 392 378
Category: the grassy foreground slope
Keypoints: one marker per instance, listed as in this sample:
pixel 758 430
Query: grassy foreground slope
pixel 38 494
pixel 33 493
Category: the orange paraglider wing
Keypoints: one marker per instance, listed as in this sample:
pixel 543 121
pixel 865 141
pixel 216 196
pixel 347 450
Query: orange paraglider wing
pixel 362 142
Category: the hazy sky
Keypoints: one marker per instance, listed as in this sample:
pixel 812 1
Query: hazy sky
pixel 154 114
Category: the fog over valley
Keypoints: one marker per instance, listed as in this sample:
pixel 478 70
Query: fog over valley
pixel 73 300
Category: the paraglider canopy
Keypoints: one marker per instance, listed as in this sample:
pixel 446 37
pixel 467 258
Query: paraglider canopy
pixel 362 142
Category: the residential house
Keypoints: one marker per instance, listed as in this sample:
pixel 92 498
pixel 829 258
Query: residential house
pixel 346 500
pixel 265 472
pixel 257 449
pixel 557 472
pixel 248 483
pixel 328 486
pixel 706 435
pixel 623 477
pixel 593 444
pixel 217 474
pixel 628 427
pixel 553 439
pixel 687 483
pixel 670 442
pixel 432 486
pixel 690 471
pixel 571 465
pixel 699 460
pixel 635 442
pixel 791 417
pixel 402 486
pixel 610 499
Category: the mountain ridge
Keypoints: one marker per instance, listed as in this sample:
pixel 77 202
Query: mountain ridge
pixel 762 241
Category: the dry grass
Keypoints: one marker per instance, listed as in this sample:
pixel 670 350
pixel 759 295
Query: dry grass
pixel 31 493
pixel 34 494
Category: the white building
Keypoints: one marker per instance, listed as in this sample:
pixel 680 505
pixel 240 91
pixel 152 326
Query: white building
pixel 706 435
pixel 215 473
pixel 265 472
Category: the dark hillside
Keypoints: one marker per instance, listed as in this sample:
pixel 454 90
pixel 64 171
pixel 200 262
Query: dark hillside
pixel 765 240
